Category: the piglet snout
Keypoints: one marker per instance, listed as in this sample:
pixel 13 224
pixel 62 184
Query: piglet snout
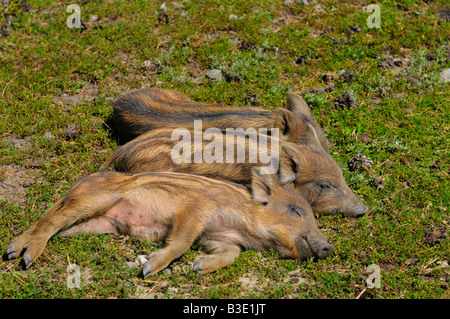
pixel 323 250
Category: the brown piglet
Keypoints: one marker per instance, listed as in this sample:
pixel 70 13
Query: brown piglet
pixel 142 110
pixel 182 209
pixel 307 169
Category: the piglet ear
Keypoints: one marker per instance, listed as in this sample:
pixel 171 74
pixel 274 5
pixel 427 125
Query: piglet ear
pixel 261 186
pixel 311 136
pixel 297 105
pixel 286 122
pixel 291 162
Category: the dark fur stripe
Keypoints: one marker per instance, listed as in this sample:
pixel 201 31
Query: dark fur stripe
pixel 138 107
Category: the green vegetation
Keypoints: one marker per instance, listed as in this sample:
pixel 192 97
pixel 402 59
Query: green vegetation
pixel 52 76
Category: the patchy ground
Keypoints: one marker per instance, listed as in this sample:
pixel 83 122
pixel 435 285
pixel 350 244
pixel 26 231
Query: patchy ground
pixel 381 96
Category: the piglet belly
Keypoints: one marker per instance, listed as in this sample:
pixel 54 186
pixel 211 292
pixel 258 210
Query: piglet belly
pixel 137 220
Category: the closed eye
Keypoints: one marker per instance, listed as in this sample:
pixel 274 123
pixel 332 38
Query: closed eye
pixel 324 185
pixel 296 211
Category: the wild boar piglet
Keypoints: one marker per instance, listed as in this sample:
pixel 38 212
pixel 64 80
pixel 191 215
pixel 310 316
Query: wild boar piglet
pixel 139 111
pixel 307 169
pixel 182 209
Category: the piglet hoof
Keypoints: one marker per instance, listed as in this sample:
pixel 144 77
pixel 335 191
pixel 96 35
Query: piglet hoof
pixel 156 261
pixel 146 270
pixel 11 252
pixel 210 263
pixel 30 246
pixel 27 262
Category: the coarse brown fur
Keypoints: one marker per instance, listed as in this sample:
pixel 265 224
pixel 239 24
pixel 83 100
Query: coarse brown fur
pixel 142 110
pixel 181 209
pixel 308 169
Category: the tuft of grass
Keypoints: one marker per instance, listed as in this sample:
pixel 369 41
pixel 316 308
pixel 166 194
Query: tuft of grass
pixel 425 66
pixel 379 84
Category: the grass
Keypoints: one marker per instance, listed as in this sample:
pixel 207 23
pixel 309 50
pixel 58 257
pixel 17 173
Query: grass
pixel 401 108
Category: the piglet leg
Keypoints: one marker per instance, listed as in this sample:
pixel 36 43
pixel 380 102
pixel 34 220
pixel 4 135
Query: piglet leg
pixel 188 224
pixel 223 255
pixel 78 205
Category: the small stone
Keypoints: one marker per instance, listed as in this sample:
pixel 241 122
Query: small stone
pixel 70 99
pixel 214 74
pixel 233 17
pixel 177 5
pixel 288 2
pixel 93 18
pixel 139 261
pixel 445 76
pixel 212 36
